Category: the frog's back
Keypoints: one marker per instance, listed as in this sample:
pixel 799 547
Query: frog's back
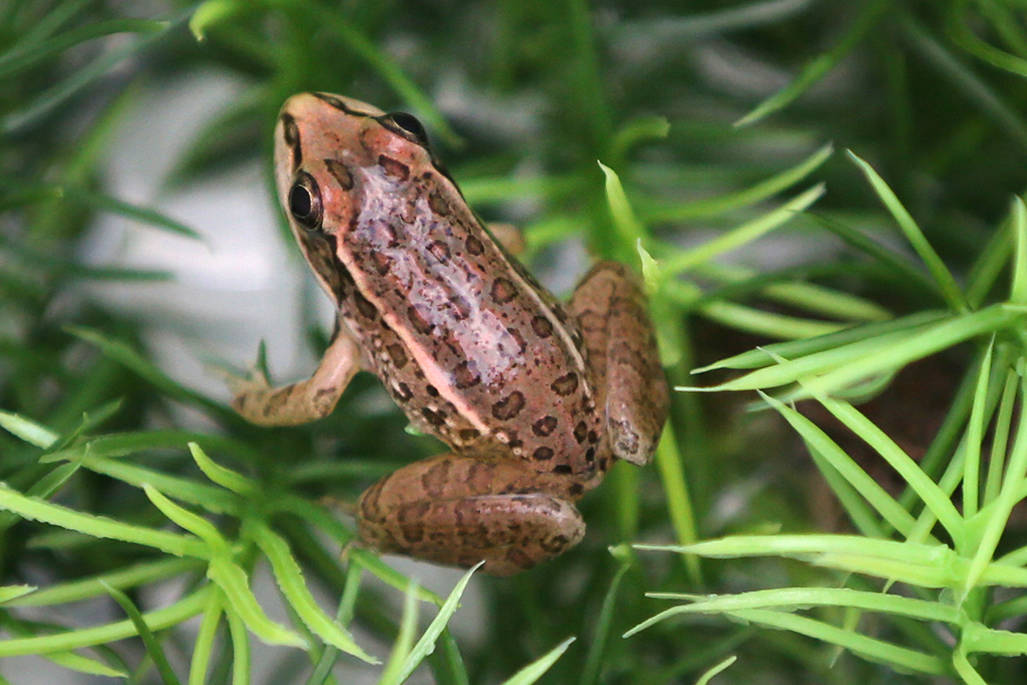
pixel 467 343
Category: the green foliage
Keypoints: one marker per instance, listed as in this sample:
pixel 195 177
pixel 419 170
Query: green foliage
pixel 771 263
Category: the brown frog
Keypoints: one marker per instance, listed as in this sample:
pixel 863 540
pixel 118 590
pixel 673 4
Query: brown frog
pixel 535 399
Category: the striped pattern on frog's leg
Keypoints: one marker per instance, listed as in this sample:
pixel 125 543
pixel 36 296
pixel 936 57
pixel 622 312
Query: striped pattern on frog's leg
pixel 459 510
pixel 610 307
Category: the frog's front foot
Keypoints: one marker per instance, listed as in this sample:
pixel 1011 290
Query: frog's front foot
pixel 301 402
pixel 460 510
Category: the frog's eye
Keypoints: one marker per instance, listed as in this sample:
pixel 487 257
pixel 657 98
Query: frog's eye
pixel 409 123
pixel 305 201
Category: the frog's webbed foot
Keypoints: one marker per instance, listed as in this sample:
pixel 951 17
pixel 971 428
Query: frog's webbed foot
pixel 458 511
pixel 610 308
pixel 300 402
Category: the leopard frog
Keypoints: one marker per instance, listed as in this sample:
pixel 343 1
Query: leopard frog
pixel 534 398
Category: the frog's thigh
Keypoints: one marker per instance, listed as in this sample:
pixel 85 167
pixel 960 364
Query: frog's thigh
pixel 460 510
pixel 306 400
pixel 611 310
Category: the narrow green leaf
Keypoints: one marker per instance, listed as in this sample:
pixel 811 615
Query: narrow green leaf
pixel 88 637
pixel 1008 496
pixel 225 477
pixel 928 491
pixel 885 505
pixel 182 517
pixel 714 670
pixel 153 648
pixel 211 13
pixel 536 669
pixel 629 229
pixel 974 438
pixel 124 354
pixel 1018 292
pixel 819 66
pixel 378 60
pixel 946 283
pixel 98 526
pixel 204 646
pixel 898 265
pixel 290 579
pixel 596 651
pixel 28 430
pixel 240 648
pixel 10 593
pixel 759 322
pixel 687 259
pixel 800 599
pixel 867 647
pixel 766 354
pixel 18 60
pixel 235 584
pixel 394 668
pixel 426 644
pixel 679 502
pixel 723 204
pixel 93 586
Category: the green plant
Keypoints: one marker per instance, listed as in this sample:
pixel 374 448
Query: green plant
pixel 711 130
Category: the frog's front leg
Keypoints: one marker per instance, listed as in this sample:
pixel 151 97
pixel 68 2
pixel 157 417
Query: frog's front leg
pixel 459 510
pixel 611 310
pixel 303 401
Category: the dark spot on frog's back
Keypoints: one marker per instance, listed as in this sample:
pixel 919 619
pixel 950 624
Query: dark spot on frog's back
pixel 435 418
pixel 418 320
pixel 580 432
pixel 474 246
pixel 542 327
pixel 340 172
pixel 439 250
pixel 544 426
pixel 508 407
pixel 291 134
pixel 503 290
pixel 366 308
pixel 394 168
pixel 438 204
pixel 542 454
pixel 465 375
pixel 398 355
pixel 382 262
pixel 565 385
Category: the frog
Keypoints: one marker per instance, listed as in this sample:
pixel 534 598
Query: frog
pixel 534 398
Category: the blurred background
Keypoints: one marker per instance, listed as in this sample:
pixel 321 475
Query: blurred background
pixel 142 249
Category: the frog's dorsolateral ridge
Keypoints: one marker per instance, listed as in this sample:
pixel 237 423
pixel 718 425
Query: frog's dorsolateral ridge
pixel 534 398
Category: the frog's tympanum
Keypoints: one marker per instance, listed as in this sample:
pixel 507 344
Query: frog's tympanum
pixel 534 398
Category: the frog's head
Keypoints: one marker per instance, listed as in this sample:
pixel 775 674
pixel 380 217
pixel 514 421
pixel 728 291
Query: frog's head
pixel 335 158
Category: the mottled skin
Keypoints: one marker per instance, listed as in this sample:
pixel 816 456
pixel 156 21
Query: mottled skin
pixel 534 399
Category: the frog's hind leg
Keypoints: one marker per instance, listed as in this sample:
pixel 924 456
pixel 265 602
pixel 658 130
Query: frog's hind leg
pixel 458 510
pixel 611 310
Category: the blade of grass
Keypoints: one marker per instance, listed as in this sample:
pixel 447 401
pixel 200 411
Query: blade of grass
pixel 536 669
pixel 722 204
pixel 942 276
pixel 688 259
pixel 153 648
pixel 870 13
pixel 426 644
